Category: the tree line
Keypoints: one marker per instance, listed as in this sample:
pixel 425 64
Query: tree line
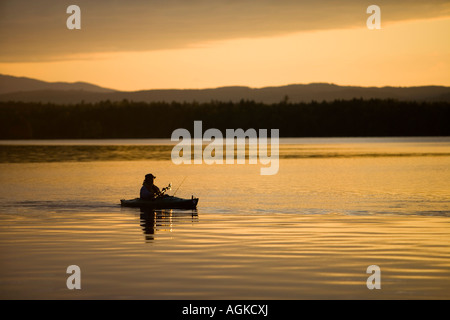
pixel 125 119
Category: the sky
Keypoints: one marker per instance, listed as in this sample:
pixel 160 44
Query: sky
pixel 156 44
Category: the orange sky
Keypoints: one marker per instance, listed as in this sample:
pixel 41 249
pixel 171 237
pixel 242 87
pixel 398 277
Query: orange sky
pixel 411 49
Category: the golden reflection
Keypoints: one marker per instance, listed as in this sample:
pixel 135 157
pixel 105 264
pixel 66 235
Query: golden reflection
pixel 152 221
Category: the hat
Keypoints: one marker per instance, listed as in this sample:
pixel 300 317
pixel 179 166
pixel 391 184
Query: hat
pixel 149 176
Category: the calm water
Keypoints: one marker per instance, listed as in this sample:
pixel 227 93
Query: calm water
pixel 336 207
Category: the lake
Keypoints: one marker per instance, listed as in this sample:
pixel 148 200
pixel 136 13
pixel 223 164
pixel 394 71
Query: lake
pixel 335 207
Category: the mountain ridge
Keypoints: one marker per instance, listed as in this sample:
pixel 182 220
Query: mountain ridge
pixel 11 84
pixel 33 90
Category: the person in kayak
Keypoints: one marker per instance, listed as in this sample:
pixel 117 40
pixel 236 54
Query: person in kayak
pixel 149 190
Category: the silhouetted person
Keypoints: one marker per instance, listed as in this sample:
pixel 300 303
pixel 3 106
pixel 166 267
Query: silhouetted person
pixel 149 190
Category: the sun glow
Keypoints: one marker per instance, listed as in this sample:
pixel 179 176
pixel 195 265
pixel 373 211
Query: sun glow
pixel 400 54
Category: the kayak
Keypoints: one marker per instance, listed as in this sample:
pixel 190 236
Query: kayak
pixel 166 202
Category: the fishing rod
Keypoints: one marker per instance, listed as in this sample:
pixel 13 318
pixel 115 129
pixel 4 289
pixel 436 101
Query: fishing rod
pixel 179 186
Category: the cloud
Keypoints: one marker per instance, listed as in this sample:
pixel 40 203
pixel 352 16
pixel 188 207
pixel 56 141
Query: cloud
pixel 36 30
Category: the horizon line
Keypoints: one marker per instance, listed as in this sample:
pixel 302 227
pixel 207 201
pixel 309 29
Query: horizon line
pixel 226 86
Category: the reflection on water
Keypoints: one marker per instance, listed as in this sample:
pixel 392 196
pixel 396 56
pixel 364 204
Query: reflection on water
pixel 309 232
pixel 152 221
pixel 61 153
pixel 299 148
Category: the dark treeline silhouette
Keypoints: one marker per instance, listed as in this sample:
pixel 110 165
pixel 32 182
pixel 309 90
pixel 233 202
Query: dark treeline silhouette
pixel 340 118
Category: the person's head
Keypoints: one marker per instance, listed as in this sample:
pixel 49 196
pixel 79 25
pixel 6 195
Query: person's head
pixel 149 178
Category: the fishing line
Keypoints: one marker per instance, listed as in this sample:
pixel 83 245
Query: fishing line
pixel 179 186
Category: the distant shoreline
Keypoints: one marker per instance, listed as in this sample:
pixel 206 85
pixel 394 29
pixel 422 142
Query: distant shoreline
pixel 139 120
pixel 168 142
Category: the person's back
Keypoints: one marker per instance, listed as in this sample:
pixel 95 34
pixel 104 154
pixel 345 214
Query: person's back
pixel 145 193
